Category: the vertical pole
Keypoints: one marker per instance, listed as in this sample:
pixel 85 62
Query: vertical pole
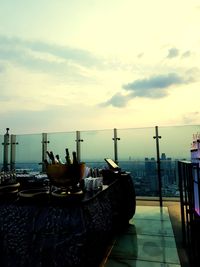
pixel 157 137
pixel 115 139
pixel 13 151
pixel 5 154
pixel 78 145
pixel 44 150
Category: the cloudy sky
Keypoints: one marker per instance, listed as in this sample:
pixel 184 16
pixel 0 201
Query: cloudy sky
pixel 70 65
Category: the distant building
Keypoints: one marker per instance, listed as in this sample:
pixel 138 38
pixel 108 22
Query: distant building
pixel 151 174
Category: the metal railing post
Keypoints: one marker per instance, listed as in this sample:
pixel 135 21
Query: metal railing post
pixel 115 139
pixel 78 145
pixel 13 151
pixel 44 150
pixel 5 152
pixel 157 137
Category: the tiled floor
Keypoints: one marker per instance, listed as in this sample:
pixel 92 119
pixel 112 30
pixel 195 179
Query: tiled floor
pixel 147 242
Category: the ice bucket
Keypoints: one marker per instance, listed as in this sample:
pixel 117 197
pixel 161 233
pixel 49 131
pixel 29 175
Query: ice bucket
pixel 65 175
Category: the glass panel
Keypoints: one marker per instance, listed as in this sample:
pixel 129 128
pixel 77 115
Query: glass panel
pixel 169 176
pixel 137 155
pixel 175 145
pixel 58 142
pixel 29 152
pixel 96 146
pixel 136 144
pixel 176 141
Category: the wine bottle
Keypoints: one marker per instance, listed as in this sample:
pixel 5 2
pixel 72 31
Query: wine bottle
pixel 49 156
pixel 75 161
pixel 91 172
pixel 53 159
pixel 67 157
pixel 59 159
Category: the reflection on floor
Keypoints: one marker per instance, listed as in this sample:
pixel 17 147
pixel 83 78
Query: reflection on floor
pixel 147 242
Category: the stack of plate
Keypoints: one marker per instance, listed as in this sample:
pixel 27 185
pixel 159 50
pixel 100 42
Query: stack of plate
pixel 9 190
pixel 63 196
pixel 63 193
pixel 34 194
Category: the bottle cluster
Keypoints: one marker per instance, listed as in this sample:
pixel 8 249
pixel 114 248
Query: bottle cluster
pixel 65 174
pixel 55 159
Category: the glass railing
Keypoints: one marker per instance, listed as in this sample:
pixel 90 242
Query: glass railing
pixel 136 144
pixel 28 152
pixel 176 140
pixel 58 142
pixel 134 149
pixel 144 174
pixel 96 145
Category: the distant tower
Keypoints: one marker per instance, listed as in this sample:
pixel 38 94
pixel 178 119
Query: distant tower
pixel 163 156
pixel 151 174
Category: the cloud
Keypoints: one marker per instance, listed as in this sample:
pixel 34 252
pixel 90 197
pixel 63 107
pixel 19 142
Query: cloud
pixel 11 47
pixel 152 87
pixel 186 54
pixel 70 63
pixel 117 100
pixel 51 119
pixel 142 87
pixel 173 52
pixel 82 57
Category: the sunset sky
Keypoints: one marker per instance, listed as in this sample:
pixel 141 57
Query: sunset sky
pixel 70 65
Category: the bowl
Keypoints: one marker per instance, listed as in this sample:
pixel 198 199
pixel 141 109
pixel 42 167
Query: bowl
pixel 65 175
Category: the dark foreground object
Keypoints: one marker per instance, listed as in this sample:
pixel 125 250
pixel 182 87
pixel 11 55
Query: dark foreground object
pixel 65 232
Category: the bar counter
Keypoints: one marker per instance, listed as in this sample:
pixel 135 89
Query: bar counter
pixel 64 232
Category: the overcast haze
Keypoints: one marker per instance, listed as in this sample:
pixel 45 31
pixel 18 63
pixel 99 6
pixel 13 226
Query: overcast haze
pixel 98 64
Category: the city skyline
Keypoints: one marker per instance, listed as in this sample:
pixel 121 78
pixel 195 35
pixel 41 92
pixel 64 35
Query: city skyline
pixel 82 65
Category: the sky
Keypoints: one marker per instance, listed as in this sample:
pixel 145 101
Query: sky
pixel 68 65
